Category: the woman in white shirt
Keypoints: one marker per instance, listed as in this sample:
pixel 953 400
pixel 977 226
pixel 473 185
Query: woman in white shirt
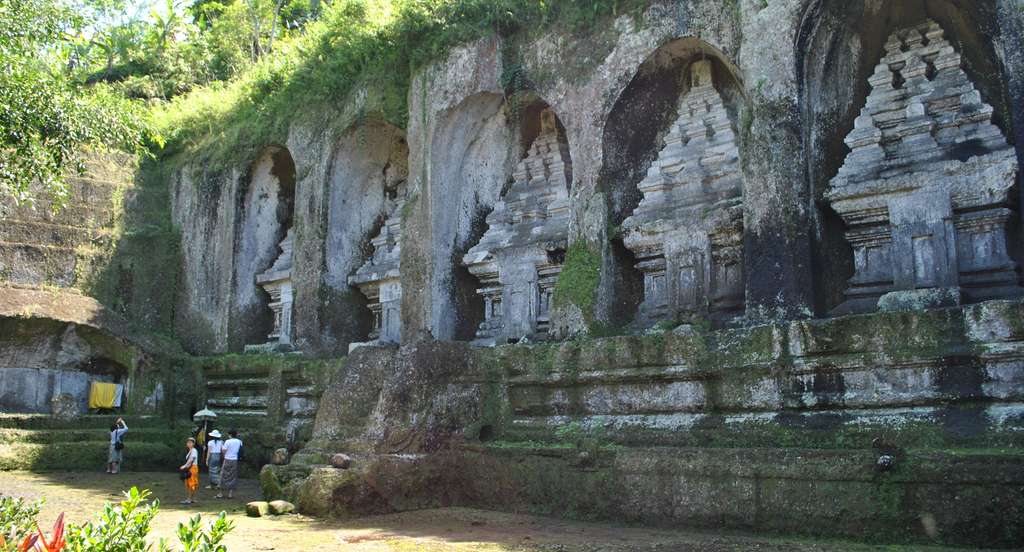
pixel 191 465
pixel 229 469
pixel 214 457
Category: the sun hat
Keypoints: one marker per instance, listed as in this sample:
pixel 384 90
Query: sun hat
pixel 215 434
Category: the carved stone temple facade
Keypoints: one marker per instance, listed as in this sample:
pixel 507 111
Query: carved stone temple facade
pixel 925 190
pixel 519 258
pixel 687 232
pixel 379 279
pixel 277 281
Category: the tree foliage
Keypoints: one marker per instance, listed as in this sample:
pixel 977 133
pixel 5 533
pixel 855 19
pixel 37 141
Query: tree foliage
pixel 45 120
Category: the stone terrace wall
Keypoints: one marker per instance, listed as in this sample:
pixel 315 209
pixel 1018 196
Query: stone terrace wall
pixel 40 246
pixel 862 426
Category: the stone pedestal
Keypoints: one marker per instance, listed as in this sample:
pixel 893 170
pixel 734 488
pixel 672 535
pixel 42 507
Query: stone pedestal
pixel 687 232
pixel 520 256
pixel 925 190
pixel 378 279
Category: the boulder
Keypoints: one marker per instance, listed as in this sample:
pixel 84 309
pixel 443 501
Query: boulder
pixel 257 508
pixel 280 457
pixel 341 461
pixel 281 507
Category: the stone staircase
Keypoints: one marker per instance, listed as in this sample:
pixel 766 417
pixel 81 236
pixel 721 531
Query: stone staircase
pixel 40 442
pixel 40 246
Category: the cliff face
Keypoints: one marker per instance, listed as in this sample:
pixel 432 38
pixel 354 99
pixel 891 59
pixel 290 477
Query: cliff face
pixel 711 183
pixel 791 76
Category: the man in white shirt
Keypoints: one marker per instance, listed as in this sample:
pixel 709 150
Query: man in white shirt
pixel 229 470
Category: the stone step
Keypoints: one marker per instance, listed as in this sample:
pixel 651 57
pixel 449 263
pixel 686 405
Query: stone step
pixel 35 232
pixel 73 214
pixel 90 421
pixel 111 166
pixel 45 436
pixel 236 403
pixel 244 383
pixel 84 455
pixel 980 426
pixel 36 265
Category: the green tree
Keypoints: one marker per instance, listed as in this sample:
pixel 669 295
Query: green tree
pixel 45 120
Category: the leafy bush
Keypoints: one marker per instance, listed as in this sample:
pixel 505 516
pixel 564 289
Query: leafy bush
pixel 121 528
pixel 17 520
pixel 194 539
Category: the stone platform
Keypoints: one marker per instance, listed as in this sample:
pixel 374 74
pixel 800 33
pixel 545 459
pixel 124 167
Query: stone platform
pixel 890 427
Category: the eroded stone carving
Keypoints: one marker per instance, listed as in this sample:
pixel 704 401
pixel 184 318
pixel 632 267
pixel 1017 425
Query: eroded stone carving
pixel 277 281
pixel 379 278
pixel 924 191
pixel 687 232
pixel 520 256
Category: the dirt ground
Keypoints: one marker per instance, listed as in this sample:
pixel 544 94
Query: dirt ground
pixel 81 496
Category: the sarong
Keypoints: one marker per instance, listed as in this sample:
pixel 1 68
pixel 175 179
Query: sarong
pixel 215 463
pixel 114 456
pixel 229 475
pixel 192 483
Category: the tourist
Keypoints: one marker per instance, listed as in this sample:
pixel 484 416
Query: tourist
pixel 229 469
pixel 191 466
pixel 116 454
pixel 214 449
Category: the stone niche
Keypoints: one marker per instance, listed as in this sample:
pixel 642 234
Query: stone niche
pixel 379 279
pixel 520 256
pixel 687 232
pixel 263 255
pixel 925 190
pixel 277 282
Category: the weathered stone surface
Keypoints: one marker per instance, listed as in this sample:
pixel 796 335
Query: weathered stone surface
pixel 687 232
pixel 257 508
pixel 65 406
pixel 281 507
pixel 925 189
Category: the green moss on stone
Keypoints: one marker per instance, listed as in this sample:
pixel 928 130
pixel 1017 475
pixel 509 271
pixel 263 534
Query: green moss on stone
pixel 580 277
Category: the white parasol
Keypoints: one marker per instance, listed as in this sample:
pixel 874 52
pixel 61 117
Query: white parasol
pixel 204 414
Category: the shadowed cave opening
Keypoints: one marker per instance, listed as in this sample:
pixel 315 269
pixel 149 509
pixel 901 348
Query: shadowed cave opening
pixel 267 211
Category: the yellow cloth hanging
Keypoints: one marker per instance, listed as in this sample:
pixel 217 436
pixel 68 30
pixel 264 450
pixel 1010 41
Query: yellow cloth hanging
pixel 102 395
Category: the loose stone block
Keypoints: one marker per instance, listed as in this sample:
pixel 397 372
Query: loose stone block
pixel 687 232
pixel 257 508
pixel 519 258
pixel 280 457
pixel 341 461
pixel 281 507
pixel 925 191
